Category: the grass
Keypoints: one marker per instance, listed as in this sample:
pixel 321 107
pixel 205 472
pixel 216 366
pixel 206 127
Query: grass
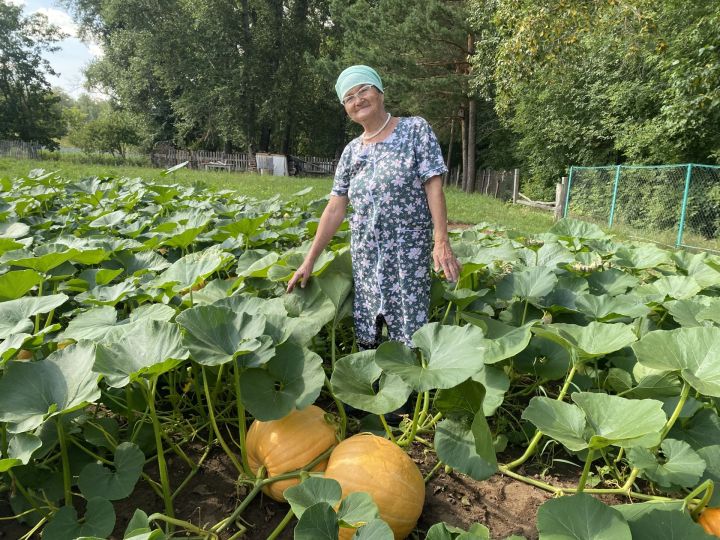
pixel 462 207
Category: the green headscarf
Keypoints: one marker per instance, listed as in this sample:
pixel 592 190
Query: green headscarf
pixel 355 75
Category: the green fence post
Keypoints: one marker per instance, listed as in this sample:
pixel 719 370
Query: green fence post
pixel 683 211
pixel 567 194
pixel 614 195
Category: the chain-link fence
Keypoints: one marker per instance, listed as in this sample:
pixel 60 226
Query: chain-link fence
pixel 671 204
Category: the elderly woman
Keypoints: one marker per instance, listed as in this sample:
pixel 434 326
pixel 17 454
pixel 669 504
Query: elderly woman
pixel 391 175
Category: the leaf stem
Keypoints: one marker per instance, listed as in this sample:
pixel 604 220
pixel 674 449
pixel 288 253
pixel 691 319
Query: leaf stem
pixel 684 393
pixel 281 526
pixel 586 470
pixel 429 475
pixel 162 464
pixel 67 475
pixel 242 422
pixel 211 415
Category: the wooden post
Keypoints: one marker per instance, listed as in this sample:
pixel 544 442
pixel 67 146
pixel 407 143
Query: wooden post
pixel 516 186
pixel 560 194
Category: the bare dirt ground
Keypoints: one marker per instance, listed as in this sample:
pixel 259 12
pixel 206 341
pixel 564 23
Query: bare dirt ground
pixel 504 505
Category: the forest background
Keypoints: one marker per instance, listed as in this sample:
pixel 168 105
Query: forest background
pixel 538 85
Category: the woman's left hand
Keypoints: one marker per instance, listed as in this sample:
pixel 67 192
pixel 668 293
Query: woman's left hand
pixel 444 258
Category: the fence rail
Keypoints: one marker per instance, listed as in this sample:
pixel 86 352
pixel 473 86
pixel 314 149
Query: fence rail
pixel 201 159
pixel 20 149
pixel 679 203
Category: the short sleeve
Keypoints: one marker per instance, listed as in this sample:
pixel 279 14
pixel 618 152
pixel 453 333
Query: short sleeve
pixel 428 155
pixel 341 184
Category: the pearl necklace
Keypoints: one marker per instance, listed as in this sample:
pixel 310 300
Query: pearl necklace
pixel 374 134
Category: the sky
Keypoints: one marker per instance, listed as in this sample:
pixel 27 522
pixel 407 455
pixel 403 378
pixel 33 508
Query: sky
pixel 73 56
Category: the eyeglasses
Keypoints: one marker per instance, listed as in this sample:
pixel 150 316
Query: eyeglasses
pixel 363 93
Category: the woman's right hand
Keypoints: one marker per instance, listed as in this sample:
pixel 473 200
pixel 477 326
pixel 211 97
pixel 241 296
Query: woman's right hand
pixel 302 274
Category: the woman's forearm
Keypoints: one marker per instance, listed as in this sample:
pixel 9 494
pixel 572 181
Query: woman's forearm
pixel 330 221
pixel 438 208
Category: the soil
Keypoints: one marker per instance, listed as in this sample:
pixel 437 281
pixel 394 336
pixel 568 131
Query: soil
pixel 504 505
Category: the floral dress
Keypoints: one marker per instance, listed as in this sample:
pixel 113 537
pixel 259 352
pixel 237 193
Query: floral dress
pixel 391 228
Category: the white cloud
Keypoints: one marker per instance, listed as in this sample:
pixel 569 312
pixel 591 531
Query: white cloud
pixel 60 19
pixel 95 49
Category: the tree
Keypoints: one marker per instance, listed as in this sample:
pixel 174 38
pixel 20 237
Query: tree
pixel 112 132
pixel 28 108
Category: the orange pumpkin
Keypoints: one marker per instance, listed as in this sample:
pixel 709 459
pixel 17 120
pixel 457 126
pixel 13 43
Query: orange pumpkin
pixel 289 444
pixel 710 521
pixel 24 354
pixel 372 464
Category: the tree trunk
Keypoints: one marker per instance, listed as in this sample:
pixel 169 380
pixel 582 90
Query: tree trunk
pixel 472 106
pixel 449 154
pixel 463 144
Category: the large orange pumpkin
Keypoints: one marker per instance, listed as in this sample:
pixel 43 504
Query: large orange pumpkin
pixel 289 444
pixel 710 521
pixel 372 464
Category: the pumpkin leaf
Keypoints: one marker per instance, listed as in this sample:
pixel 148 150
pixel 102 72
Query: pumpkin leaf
pixel 353 383
pixel 99 521
pixel 679 464
pixel 15 314
pixel 311 491
pixel 592 341
pixel 466 444
pixel 318 522
pixel 96 480
pixel 529 284
pixel 20 450
pixel 691 351
pixel 376 529
pixel 33 391
pixel 451 356
pixel 562 421
pixel 15 284
pixel 581 517
pixel 216 335
pixel 292 379
pixel 153 347
pixel 664 523
pixel 357 509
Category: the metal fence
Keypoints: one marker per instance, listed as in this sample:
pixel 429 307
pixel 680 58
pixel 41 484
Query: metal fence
pixel 671 204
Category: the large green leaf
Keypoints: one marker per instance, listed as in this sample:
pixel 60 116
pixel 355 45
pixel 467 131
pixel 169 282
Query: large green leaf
pixel 612 282
pixel 466 444
pixel 153 347
pixel 44 263
pixel 15 314
pixel 679 464
pixel 319 522
pixel 216 335
pixel 571 228
pixel 353 382
pixel 187 271
pixel 108 295
pixel 15 284
pixel 529 284
pixel 504 341
pixel 669 287
pixel 691 351
pixel 700 431
pixel 652 521
pixel 99 521
pixel 32 391
pixel 20 449
pixel 312 491
pixel 292 379
pixel 465 399
pixel 591 341
pixel 376 529
pixel 608 307
pixel 641 257
pixel 451 355
pixel 562 421
pixel 598 420
pixel 613 420
pixel 580 517
pixel 357 509
pixel 98 481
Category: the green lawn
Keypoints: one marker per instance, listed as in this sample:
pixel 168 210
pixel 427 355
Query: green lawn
pixel 462 207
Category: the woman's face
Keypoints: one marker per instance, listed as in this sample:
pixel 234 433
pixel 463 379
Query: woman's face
pixel 363 102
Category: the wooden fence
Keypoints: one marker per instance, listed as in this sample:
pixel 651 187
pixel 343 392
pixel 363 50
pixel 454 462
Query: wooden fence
pixel 201 159
pixel 20 149
pixel 496 184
